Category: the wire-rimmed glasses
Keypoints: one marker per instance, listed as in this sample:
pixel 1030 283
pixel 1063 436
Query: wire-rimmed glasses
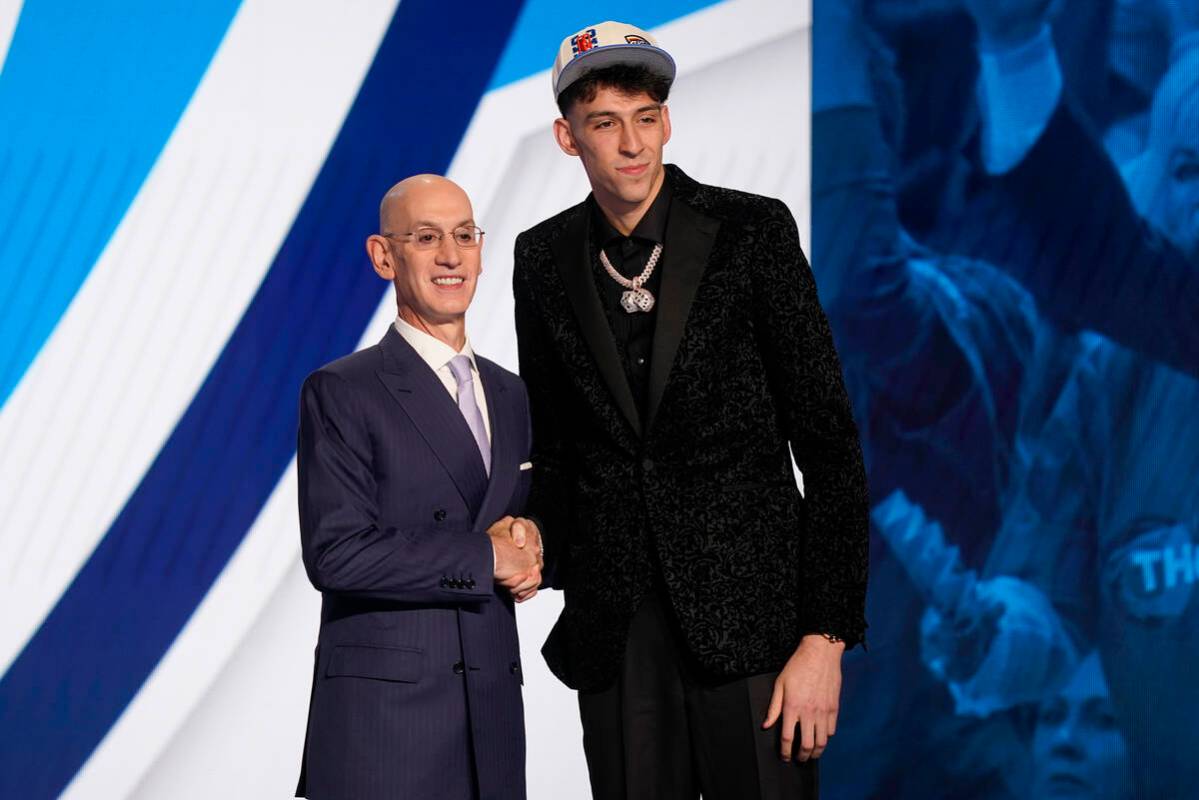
pixel 430 238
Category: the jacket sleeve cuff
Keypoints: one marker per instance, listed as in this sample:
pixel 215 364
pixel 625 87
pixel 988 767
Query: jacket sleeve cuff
pixel 850 631
pixel 473 575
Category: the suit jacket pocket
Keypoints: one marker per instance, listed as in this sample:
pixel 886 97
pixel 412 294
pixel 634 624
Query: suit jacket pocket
pixel 402 664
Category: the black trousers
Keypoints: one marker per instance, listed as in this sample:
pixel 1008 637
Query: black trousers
pixel 664 732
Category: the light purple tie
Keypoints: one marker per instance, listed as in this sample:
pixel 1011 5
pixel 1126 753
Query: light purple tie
pixel 465 377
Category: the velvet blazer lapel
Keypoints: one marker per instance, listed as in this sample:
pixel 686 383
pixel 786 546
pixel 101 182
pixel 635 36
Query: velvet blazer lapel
pixel 572 253
pixel 689 239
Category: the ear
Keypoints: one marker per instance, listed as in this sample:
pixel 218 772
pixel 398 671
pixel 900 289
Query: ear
pixel 564 137
pixel 665 124
pixel 380 256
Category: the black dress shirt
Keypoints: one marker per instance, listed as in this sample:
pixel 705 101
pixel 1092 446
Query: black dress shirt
pixel 634 333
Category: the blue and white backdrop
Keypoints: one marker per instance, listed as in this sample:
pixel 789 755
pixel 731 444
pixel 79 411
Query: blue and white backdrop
pixel 184 192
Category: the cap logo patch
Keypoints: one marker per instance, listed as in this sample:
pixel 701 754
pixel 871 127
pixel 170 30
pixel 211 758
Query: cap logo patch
pixel 633 38
pixel 581 43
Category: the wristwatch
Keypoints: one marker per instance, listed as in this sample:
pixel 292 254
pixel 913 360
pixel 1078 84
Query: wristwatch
pixel 832 637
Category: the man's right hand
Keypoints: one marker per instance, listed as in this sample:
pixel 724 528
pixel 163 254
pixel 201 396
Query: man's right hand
pixel 517 569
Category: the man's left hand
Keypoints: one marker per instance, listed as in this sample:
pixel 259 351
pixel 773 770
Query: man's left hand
pixel 806 694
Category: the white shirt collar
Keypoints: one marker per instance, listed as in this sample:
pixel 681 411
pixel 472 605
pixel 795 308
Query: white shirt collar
pixel 432 350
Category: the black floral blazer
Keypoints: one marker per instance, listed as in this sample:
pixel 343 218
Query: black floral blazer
pixel 698 497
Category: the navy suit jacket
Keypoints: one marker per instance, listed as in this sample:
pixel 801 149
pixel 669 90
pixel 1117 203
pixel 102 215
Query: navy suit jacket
pixel 416 689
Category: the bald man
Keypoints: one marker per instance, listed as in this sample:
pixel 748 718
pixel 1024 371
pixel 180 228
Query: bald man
pixel 413 469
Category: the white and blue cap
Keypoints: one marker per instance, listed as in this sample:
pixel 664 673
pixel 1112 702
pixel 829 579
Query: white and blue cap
pixel 603 45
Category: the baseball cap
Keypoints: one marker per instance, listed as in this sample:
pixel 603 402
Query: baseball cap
pixel 603 45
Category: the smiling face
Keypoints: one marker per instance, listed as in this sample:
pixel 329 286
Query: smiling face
pixel 434 284
pixel 619 138
pixel 1078 749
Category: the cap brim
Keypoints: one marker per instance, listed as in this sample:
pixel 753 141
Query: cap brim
pixel 653 58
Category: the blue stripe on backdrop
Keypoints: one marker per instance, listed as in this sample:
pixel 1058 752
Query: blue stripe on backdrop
pixel 89 95
pixel 194 506
pixel 544 23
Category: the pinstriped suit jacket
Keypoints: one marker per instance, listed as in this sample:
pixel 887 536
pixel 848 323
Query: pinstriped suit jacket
pixel 416 687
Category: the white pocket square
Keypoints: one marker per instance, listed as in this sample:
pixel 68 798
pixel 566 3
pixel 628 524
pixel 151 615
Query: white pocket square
pixel 526 465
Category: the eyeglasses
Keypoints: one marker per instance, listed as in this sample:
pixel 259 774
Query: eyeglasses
pixel 430 238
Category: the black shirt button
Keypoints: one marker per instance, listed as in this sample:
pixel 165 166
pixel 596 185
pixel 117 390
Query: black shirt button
pixel 459 668
pixel 439 514
pixel 647 465
pixel 640 361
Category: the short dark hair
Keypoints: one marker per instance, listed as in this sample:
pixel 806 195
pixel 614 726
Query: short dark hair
pixel 628 79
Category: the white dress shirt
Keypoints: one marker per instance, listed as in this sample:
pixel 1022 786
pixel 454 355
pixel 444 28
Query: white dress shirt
pixel 437 355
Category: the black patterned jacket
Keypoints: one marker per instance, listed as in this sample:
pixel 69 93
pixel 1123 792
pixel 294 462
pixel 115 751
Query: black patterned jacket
pixel 700 494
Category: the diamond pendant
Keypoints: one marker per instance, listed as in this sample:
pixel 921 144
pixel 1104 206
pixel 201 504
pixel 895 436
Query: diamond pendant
pixel 635 300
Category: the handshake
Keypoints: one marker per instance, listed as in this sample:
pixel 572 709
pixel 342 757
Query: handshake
pixel 516 543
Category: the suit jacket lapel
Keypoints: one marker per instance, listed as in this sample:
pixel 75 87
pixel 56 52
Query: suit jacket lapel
pixel 689 239
pixel 504 467
pixel 572 253
pixel 426 402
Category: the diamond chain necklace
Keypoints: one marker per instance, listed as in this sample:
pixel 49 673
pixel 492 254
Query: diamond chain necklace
pixel 637 298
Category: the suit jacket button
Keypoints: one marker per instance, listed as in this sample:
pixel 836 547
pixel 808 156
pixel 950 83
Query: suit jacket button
pixel 470 584
pixel 514 667
pixel 439 515
pixel 459 668
pixel 647 465
pixel 444 582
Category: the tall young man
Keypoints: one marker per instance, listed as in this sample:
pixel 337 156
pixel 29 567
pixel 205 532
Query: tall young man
pixel 675 355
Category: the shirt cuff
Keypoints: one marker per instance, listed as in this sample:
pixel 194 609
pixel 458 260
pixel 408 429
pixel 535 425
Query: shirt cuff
pixel 1019 87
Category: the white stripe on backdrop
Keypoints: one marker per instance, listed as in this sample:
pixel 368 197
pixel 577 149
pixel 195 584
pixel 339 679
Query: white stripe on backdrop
pixel 10 12
pixel 134 346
